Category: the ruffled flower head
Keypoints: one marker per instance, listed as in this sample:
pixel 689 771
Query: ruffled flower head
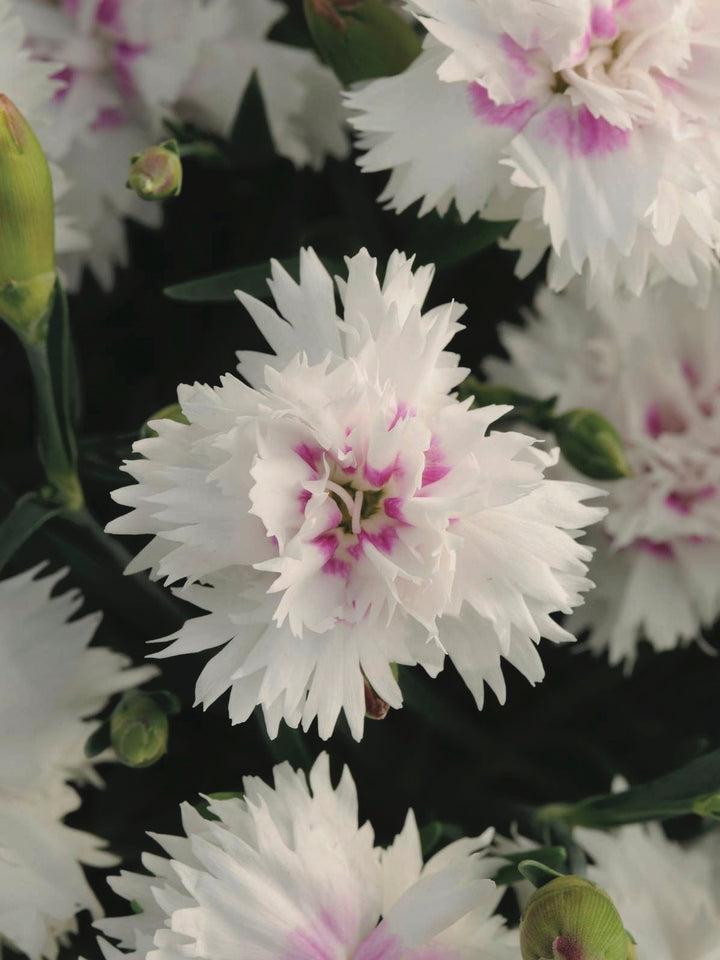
pixel 50 682
pixel 594 123
pixel 652 366
pixel 287 872
pixel 345 512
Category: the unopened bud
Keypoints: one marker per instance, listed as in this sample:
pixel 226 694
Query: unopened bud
pixel 27 227
pixel 139 730
pixel 570 918
pixel 361 39
pixel 707 805
pixel 156 173
pixel 375 707
pixel 591 444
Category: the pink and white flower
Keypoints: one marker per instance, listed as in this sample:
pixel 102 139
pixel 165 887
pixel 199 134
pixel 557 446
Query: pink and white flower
pixel 593 123
pixel 667 895
pixel 50 682
pixel 288 874
pixel 345 513
pixel 121 66
pixel 652 366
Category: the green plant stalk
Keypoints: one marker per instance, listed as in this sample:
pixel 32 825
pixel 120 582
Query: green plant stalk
pixel 59 466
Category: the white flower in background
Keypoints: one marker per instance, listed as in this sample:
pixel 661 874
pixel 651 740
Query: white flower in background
pixel 287 872
pixel 50 682
pixel 652 367
pixel 120 66
pixel 346 513
pixel 668 896
pixel 594 123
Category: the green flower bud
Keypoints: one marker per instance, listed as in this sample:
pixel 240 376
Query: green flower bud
pixel 591 444
pixel 27 227
pixel 156 173
pixel 361 39
pixel 570 918
pixel 173 411
pixel 139 730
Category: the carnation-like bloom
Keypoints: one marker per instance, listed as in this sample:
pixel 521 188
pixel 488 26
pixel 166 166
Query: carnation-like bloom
pixel 593 123
pixel 652 366
pixel 667 895
pixel 50 682
pixel 344 513
pixel 287 872
pixel 121 66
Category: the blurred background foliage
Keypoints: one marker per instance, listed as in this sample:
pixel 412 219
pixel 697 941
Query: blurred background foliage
pixel 561 741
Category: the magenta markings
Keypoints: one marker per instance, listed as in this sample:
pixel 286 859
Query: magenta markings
pixel 516 55
pixel 311 455
pixel 337 568
pixel 378 478
pixel 124 55
pixel 602 23
pixel 435 466
pixel 327 544
pixel 393 509
pixel 568 948
pixel 659 420
pixel 108 118
pixel 380 945
pixel 661 551
pixel 514 115
pixel 582 134
pixel 684 503
pixel 384 540
pixel 108 14
pixel 66 76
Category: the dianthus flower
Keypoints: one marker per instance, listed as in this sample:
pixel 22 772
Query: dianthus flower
pixel 50 683
pixel 652 367
pixel 344 513
pixel 593 123
pixel 667 895
pixel 287 872
pixel 124 65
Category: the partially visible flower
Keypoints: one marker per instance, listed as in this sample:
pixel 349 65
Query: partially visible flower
pixel 652 367
pixel 50 682
pixel 592 122
pixel 667 895
pixel 347 513
pixel 288 872
pixel 120 66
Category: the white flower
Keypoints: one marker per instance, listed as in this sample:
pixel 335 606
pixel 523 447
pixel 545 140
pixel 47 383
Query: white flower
pixel 347 513
pixel 592 122
pixel 287 872
pixel 120 67
pixel 652 367
pixel 668 896
pixel 49 683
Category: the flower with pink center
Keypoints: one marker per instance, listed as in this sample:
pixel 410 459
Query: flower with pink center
pixel 652 366
pixel 122 66
pixel 593 123
pixel 287 873
pixel 345 512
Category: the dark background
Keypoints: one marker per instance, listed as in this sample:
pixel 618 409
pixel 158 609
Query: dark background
pixel 562 740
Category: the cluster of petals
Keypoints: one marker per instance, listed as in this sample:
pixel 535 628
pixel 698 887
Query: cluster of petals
pixel 287 872
pixel 652 367
pixel 50 682
pixel 344 512
pixel 668 895
pixel 122 66
pixel 592 123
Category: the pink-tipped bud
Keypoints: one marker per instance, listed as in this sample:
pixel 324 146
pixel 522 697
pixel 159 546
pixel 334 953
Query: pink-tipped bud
pixel 156 173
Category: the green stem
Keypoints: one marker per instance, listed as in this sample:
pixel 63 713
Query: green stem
pixel 58 463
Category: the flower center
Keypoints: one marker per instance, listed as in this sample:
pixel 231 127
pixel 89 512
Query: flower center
pixel 354 505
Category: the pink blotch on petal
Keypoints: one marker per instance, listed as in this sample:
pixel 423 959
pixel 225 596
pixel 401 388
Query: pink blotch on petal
pixel 378 478
pixel 109 118
pixel 514 115
pixel 690 373
pixel 66 76
pixel 393 509
pixel 517 56
pixel 602 23
pixel 661 551
pixel 108 13
pixel 659 420
pixel 582 134
pixel 124 56
pixel 311 455
pixel 383 540
pixel 337 568
pixel 568 948
pixel 435 466
pixel 327 544
pixel 685 502
pixel 380 945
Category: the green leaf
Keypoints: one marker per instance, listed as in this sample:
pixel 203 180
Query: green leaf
pixel 430 836
pixel 689 789
pixel 250 138
pixel 447 241
pixel 98 741
pixel 63 371
pixel 28 514
pixel 203 805
pixel 537 873
pixel 552 857
pixel 220 287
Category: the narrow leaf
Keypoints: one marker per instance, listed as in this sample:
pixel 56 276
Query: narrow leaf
pixel 28 514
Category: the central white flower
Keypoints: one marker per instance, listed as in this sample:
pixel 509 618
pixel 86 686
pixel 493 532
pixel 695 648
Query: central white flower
pixel 592 122
pixel 347 512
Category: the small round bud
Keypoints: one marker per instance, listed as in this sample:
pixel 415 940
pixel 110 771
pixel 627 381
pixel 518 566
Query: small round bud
pixel 570 918
pixel 156 173
pixel 139 730
pixel 591 444
pixel 361 39
pixel 27 227
pixel 173 411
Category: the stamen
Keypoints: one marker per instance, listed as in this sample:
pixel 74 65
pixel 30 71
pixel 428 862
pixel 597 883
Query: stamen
pixel 343 494
pixel 355 512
